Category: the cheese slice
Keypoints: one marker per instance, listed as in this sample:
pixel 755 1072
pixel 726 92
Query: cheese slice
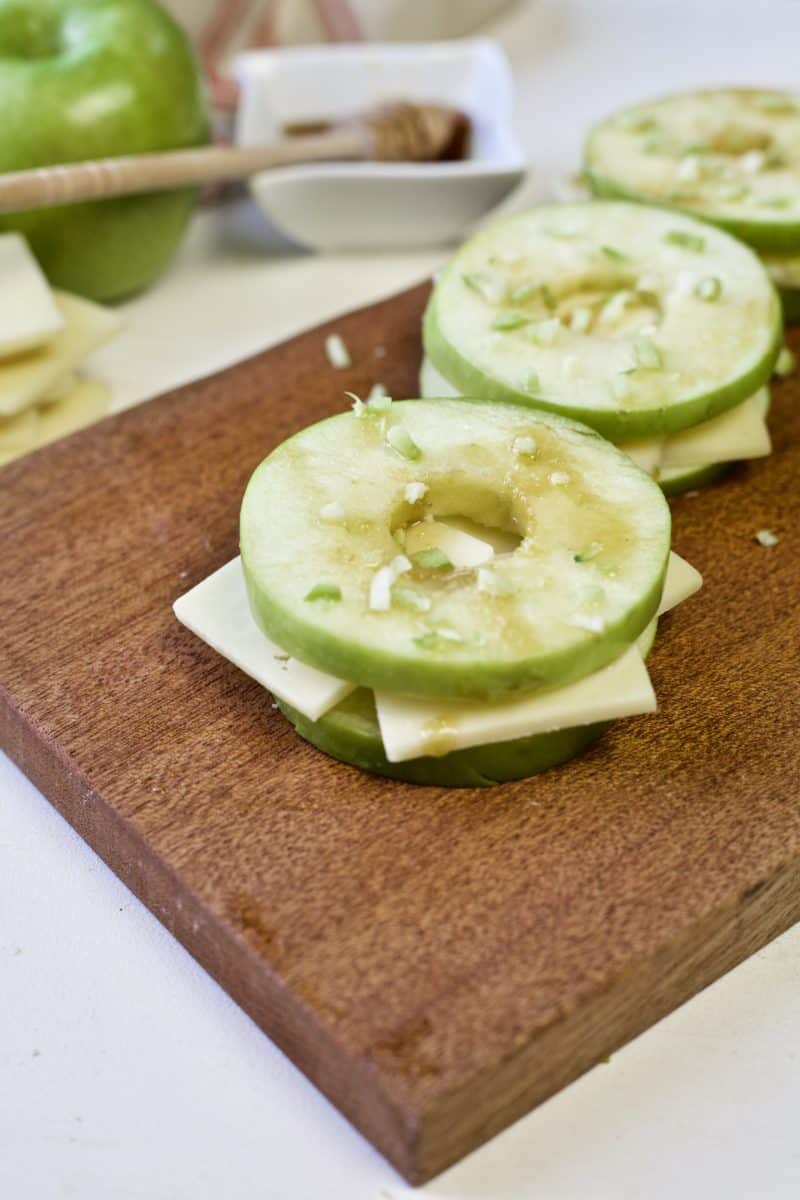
pixel 461 548
pixel 29 378
pixel 411 727
pixel 681 581
pixel 217 610
pixel 739 433
pixel 84 402
pixel 18 434
pixel 500 540
pixel 645 452
pixel 29 315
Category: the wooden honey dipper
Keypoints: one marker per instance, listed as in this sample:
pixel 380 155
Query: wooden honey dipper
pixel 399 132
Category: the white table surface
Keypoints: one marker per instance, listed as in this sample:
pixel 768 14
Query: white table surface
pixel 125 1071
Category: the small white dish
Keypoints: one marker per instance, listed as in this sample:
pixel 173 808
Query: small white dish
pixel 345 206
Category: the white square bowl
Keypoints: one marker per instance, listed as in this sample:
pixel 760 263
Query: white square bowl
pixel 347 206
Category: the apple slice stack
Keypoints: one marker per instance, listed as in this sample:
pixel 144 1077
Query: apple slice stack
pixel 45 338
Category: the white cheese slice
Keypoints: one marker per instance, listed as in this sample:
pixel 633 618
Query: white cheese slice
pixel 500 540
pixel 217 610
pixel 645 452
pixel 28 379
pixel 739 433
pixel 29 316
pixel 84 401
pixel 461 548
pixel 412 727
pixel 681 581
pixel 18 434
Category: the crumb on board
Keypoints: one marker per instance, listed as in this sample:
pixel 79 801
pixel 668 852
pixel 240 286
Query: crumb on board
pixel 336 352
pixel 379 352
pixel 765 537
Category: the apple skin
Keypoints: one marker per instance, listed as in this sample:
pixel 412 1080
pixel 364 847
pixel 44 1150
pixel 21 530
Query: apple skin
pixel 83 79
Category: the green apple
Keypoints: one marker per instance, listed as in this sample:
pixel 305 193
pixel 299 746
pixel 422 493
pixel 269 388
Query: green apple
pixel 83 79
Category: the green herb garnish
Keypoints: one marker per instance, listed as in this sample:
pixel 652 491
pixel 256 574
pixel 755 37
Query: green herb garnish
pixel 401 440
pixel 709 289
pixel 325 591
pixel 548 297
pixel 689 241
pixel 432 559
pixel 510 320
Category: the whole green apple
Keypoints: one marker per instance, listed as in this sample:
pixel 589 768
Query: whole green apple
pixel 83 79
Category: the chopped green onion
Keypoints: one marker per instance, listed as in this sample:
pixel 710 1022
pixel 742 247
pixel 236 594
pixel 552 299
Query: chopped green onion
pixel 558 478
pixel 448 633
pixel 776 202
pixel 753 161
pixel 648 355
pixel 490 286
pixel 588 555
pixel 510 320
pixel 636 122
pixel 775 102
pixel 427 641
pixel 434 639
pixel 358 405
pixel 336 352
pixel 379 404
pixel 531 382
pixel 524 292
pixel 548 297
pixel 333 511
pixel 613 253
pixel 689 241
pixel 785 364
pixel 765 537
pixel 432 559
pixel 325 591
pixel 654 144
pixel 613 309
pixel 546 332
pixel 407 597
pixel 589 621
pixel 414 492
pixel 734 192
pixel 377 392
pixel 524 446
pixel 580 320
pixel 689 169
pixel 380 588
pixel 709 289
pixel 401 440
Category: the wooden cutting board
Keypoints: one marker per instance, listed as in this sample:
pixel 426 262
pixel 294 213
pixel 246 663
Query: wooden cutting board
pixel 437 962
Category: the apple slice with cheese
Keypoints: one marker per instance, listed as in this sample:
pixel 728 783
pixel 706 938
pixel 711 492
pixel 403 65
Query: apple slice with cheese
pixel 341 719
pixel 684 459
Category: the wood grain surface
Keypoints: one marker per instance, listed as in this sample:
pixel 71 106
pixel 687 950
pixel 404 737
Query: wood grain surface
pixel 437 962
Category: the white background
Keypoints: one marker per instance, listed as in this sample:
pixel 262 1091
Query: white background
pixel 125 1072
